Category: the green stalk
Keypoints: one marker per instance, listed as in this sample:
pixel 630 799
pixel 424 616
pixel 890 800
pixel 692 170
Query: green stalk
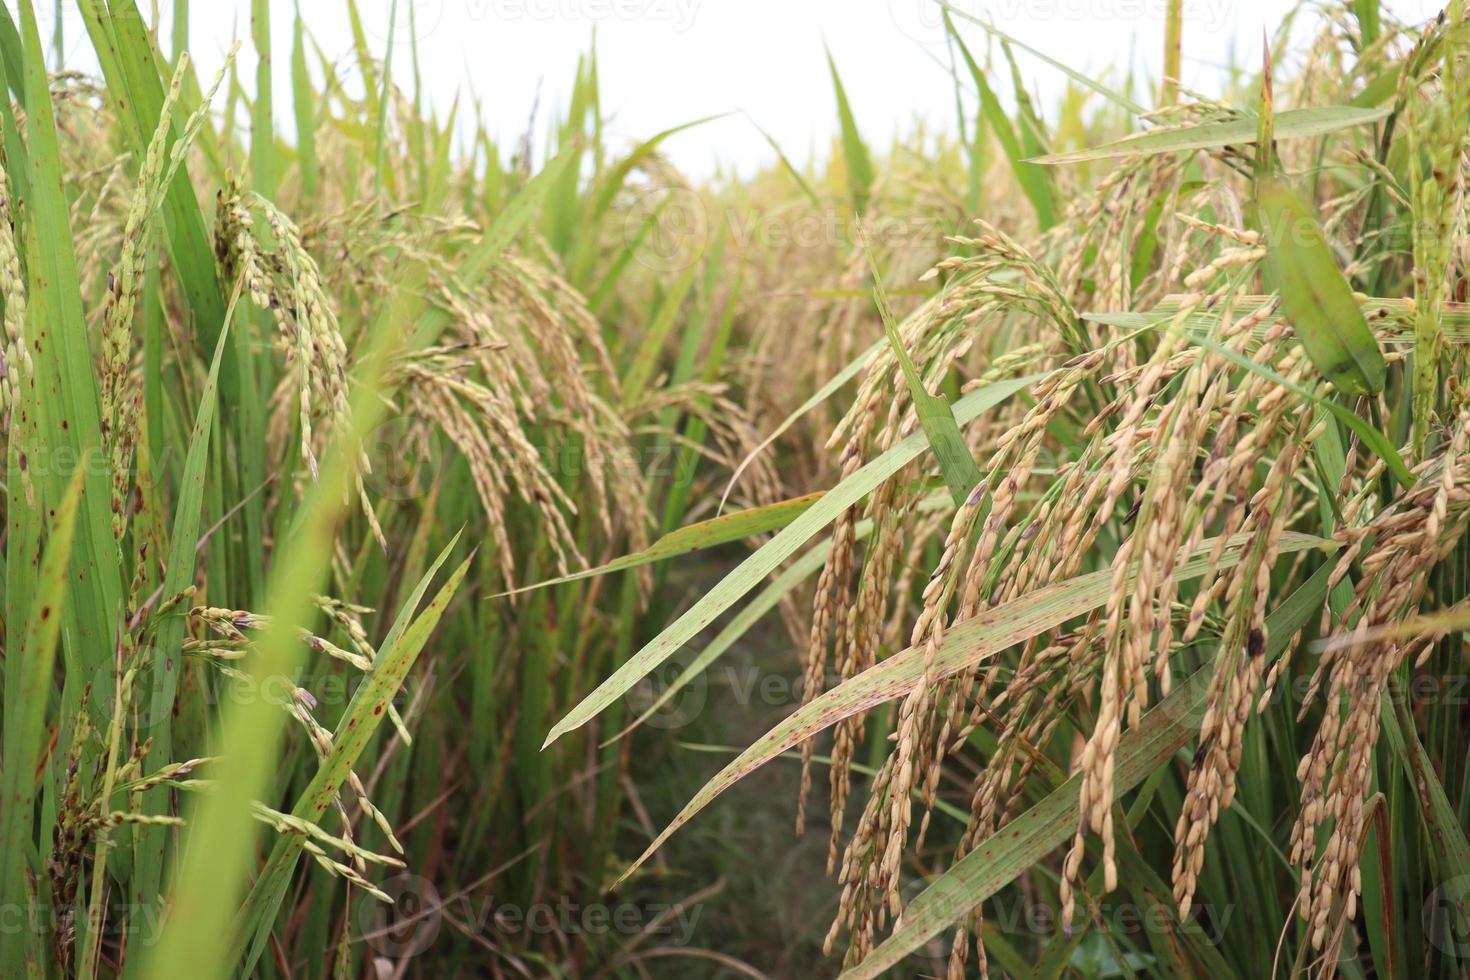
pixel 1173 52
pixel 1435 138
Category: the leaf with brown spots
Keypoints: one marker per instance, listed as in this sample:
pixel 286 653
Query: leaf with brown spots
pixel 965 644
pixel 754 569
pixel 397 655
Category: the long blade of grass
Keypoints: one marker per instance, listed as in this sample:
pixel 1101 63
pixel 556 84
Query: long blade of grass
pixel 854 150
pixel 125 50
pixel 965 644
pixel 765 600
pixel 28 687
pixel 352 736
pixel 303 100
pixel 956 463
pixel 1289 124
pixel 755 568
pixel 830 388
pixel 208 885
pixel 612 182
pixel 694 537
pixel 165 642
pixel 1035 183
pixel 64 368
pixel 1442 825
pixel 1316 296
pixel 1072 73
pixel 787 165
pixel 640 370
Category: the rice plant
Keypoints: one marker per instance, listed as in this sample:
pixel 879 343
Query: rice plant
pixel 1107 468
pixel 1187 518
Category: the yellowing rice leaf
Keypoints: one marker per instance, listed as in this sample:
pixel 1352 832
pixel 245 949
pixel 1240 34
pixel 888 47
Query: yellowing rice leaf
pixel 1291 124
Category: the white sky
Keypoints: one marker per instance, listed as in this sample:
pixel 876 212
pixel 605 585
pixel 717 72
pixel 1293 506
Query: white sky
pixel 665 62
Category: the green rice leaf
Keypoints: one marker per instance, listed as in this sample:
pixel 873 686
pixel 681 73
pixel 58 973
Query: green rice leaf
pixel 209 882
pixel 369 703
pixel 735 526
pixel 854 150
pixel 640 370
pixel 1081 79
pixel 772 554
pixel 165 656
pixel 965 644
pixel 1445 832
pixel 1034 181
pixel 1316 297
pixel 28 689
pixel 956 463
pixel 69 410
pixel 830 388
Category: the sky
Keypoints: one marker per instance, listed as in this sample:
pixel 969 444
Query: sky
pixel 667 62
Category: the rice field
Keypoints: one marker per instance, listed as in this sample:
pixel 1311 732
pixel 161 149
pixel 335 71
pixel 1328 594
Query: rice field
pixel 1033 547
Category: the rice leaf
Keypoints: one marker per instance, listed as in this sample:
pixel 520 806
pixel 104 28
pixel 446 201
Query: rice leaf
pixel 965 644
pixel 1034 181
pixel 1445 833
pixel 64 369
pixel 1115 97
pixel 1289 124
pixel 789 578
pixel 164 655
pixel 854 150
pixel 125 50
pixel 956 462
pixel 304 102
pixel 755 568
pixel 217 855
pixel 735 526
pixel 645 361
pixel 613 180
pixel 1316 297
pixel 788 166
pixel 28 688
pixel 828 389
pixel 366 710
